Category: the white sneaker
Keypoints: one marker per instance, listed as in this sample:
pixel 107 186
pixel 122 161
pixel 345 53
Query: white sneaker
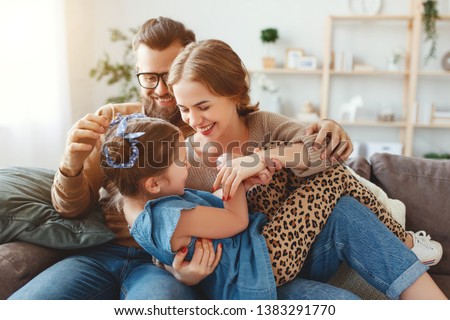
pixel 428 251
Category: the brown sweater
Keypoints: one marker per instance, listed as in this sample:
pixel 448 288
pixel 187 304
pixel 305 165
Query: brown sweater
pixel 265 128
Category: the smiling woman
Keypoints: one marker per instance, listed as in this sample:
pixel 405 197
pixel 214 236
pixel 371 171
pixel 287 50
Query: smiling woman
pixel 33 81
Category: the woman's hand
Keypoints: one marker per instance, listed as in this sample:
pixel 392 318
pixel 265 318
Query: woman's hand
pixel 81 140
pixel 340 146
pixel 203 263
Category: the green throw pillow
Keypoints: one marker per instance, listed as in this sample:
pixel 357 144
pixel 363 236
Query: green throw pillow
pixel 27 213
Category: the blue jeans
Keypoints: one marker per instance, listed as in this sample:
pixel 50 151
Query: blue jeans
pixel 108 271
pixel 116 272
pixel 355 235
pixel 352 234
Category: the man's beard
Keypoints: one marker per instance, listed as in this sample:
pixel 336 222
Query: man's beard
pixel 152 109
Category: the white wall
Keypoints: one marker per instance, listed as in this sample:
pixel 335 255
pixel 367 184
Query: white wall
pixel 300 24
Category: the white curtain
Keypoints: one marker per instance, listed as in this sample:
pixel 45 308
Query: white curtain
pixel 34 100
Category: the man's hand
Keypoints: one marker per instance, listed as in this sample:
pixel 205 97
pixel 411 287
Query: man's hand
pixel 340 146
pixel 81 140
pixel 203 263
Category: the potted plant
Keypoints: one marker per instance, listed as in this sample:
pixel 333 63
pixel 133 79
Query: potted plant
pixel 430 15
pixel 269 36
pixel 120 73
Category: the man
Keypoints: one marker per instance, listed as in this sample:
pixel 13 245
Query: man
pixel 121 269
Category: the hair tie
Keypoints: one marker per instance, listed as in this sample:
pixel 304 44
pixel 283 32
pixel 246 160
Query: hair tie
pixel 131 137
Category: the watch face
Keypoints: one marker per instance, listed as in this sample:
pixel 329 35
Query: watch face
pixel 370 7
pixel 446 61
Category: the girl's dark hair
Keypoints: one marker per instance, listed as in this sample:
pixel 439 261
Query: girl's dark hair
pixel 218 67
pixel 160 33
pixel 158 148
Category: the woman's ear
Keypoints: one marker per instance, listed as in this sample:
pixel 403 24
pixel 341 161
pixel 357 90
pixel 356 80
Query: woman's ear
pixel 152 185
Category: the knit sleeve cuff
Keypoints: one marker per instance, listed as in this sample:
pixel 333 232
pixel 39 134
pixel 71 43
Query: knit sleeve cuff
pixel 316 164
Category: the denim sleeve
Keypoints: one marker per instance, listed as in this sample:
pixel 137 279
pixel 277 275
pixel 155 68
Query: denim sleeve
pixel 154 227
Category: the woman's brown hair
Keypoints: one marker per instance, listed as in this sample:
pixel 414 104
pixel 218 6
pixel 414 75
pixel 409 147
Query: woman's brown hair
pixel 218 67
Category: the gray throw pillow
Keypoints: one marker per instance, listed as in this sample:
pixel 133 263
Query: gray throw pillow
pixel 423 185
pixel 27 213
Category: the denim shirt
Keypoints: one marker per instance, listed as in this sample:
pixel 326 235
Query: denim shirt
pixel 244 271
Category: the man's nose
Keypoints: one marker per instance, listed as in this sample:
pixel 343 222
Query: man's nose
pixel 161 89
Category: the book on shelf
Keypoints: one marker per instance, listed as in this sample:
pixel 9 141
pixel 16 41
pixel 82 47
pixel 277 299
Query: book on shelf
pixel 343 61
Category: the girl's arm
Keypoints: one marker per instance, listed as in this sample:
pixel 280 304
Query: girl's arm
pixel 294 156
pixel 211 222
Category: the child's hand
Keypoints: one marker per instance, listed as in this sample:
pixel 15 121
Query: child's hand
pixel 265 176
pixel 233 172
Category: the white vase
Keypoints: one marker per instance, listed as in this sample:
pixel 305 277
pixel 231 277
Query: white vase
pixel 270 101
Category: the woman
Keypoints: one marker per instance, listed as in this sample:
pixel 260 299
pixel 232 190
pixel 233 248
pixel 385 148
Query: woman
pixel 210 85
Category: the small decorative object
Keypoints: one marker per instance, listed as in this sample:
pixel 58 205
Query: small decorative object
pixel 266 92
pixel 383 147
pixel 439 115
pixel 292 57
pixel 308 113
pixel 394 60
pixel 307 63
pixel 359 67
pixel 269 36
pixel 121 73
pixel 386 115
pixel 349 109
pixel 429 17
pixel 446 61
pixel 370 7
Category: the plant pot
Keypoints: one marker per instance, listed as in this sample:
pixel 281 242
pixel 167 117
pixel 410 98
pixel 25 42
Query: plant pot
pixel 268 62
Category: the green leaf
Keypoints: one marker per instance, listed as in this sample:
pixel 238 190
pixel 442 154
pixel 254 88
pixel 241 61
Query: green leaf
pixel 121 72
pixel 269 35
pixel 429 17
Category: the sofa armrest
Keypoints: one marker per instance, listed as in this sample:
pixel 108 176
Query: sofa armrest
pixel 423 185
pixel 20 262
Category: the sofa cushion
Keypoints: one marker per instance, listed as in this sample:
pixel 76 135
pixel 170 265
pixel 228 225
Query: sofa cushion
pixel 423 186
pixel 27 214
pixel 361 166
pixel 20 262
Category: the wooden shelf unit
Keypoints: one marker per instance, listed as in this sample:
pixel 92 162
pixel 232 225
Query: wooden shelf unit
pixel 409 76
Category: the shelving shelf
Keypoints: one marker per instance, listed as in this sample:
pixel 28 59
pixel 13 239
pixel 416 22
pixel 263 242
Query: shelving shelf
pixel 432 125
pixel 370 73
pixel 407 78
pixel 287 71
pixel 434 73
pixel 372 17
pixel 376 124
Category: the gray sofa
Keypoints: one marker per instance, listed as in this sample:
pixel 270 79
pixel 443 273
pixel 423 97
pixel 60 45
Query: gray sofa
pixel 423 185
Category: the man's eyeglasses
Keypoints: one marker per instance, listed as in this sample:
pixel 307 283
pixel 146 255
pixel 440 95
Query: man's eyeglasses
pixel 150 80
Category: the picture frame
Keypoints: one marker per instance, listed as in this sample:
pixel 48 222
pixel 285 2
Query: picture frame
pixel 292 57
pixel 307 63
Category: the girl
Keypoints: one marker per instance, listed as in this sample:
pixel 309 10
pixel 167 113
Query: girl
pixel 145 159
